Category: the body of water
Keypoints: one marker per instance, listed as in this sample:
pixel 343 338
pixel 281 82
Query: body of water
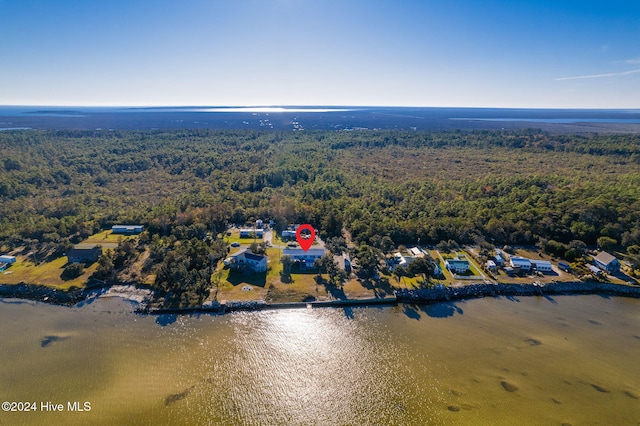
pixel 530 360
pixel 317 118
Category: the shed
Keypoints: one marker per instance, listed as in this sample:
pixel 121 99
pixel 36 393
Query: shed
pixel 595 270
pixel 491 265
pixel 564 266
pixel 7 259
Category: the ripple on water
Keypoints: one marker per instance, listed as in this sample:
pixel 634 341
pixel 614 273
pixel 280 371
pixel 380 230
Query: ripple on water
pixel 599 388
pixel 508 386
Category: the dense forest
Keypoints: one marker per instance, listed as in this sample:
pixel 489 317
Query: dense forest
pixel 562 192
pixel 505 187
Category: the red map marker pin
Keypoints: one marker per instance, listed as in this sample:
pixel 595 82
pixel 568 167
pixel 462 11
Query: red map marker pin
pixel 305 243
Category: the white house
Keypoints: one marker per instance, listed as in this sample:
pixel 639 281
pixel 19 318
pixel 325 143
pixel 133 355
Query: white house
pixel 459 265
pixel 542 265
pixel 247 260
pixel 520 263
pixel 7 259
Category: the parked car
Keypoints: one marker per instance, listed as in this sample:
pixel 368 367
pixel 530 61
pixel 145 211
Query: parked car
pixel 235 244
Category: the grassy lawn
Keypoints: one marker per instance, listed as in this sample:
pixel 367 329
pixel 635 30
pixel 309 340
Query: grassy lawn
pixel 45 274
pixel 107 237
pixel 235 238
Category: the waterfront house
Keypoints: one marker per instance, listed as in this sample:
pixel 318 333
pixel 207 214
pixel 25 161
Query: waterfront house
pixel 127 229
pixel 84 255
pixel 305 259
pixel 607 262
pixel 246 260
pixel 459 265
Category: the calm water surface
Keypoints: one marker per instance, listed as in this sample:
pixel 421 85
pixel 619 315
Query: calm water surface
pixel 508 361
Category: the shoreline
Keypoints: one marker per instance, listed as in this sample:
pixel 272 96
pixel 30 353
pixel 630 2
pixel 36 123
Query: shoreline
pixel 436 294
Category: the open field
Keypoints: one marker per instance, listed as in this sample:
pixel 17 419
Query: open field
pixel 47 273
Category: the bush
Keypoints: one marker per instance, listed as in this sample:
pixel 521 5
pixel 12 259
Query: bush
pixel 73 270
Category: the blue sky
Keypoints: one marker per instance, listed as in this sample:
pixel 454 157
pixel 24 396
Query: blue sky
pixel 490 53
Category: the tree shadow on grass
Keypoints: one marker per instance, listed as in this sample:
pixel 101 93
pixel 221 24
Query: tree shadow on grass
pixel 380 287
pixel 258 279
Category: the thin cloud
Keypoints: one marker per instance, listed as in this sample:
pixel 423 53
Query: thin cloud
pixel 611 74
pixel 632 61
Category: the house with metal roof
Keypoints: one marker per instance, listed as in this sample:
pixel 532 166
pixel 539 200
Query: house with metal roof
pixel 304 259
pixel 246 260
pixel 607 262
pixel 127 229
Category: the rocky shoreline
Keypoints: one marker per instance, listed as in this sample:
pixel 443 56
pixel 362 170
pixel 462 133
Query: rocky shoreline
pixel 435 294
pixel 474 291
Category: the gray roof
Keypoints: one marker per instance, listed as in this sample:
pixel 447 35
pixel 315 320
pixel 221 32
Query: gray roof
pixel 300 252
pixel 85 253
pixel 253 256
pixel 605 258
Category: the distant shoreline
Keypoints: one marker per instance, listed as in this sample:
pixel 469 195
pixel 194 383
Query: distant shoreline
pixel 40 293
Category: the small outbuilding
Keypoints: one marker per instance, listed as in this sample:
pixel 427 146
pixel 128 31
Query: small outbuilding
pixel 7 259
pixel 491 266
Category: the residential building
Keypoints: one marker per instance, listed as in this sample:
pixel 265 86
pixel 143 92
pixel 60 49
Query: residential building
pixel 84 255
pixel 459 265
pixel 246 260
pixel 127 229
pixel 304 258
pixel 607 262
